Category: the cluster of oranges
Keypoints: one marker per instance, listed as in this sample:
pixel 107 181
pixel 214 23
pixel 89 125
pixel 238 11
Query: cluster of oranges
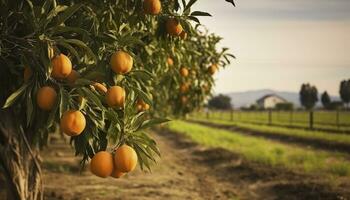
pixel 105 164
pixel 73 122
pixel 173 26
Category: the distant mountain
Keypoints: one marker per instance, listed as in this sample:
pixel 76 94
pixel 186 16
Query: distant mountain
pixel 240 99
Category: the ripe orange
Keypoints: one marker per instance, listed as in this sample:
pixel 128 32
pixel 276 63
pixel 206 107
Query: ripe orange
pixel 99 87
pixel 141 105
pixel 146 106
pixel 184 99
pixel 212 69
pixel 46 98
pixel 184 88
pixel 27 73
pixel 116 173
pixel 102 164
pixel 121 62
pixel 173 27
pixel 115 97
pixel 170 61
pixel 184 72
pixel 183 35
pixel 72 77
pixel 125 158
pixel 152 7
pixel 61 67
pixel 72 122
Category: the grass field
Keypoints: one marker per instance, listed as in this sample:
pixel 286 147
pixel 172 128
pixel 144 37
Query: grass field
pixel 310 134
pixel 322 119
pixel 267 152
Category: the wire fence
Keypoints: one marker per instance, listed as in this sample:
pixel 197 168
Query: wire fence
pixel 328 120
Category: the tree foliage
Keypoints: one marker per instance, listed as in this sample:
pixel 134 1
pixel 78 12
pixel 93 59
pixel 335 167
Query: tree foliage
pixel 89 32
pixel 326 100
pixel 221 102
pixel 344 91
pixel 308 96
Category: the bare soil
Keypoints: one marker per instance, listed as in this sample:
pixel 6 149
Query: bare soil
pixel 185 171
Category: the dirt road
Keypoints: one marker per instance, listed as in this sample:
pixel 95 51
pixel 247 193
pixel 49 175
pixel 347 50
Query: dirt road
pixel 185 171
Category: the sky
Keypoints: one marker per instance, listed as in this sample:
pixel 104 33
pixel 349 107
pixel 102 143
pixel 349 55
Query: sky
pixel 280 44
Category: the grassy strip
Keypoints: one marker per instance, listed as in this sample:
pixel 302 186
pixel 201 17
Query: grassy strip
pixel 300 120
pixel 266 152
pixel 331 137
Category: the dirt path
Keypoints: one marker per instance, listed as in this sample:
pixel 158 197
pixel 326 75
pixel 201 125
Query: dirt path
pixel 186 171
pixel 301 141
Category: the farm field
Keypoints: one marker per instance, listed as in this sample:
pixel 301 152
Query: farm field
pixel 198 162
pixel 323 120
pixel 333 140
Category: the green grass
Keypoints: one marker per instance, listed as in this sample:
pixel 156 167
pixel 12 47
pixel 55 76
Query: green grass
pixel 266 152
pixel 331 137
pixel 322 119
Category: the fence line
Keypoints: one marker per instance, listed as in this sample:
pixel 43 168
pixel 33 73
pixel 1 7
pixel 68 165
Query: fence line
pixel 339 120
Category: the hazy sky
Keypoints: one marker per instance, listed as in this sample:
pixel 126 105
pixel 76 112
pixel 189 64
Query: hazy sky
pixel 279 44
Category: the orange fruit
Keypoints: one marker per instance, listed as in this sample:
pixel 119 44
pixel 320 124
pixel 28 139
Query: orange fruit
pixel 99 87
pixel 102 164
pixel 212 69
pixel 184 100
pixel 115 97
pixel 184 88
pixel 141 105
pixel 183 35
pixel 116 173
pixel 125 158
pixel 121 62
pixel 173 27
pixel 170 61
pixel 184 72
pixel 72 77
pixel 152 7
pixel 72 122
pixel 27 73
pixel 46 98
pixel 146 106
pixel 61 67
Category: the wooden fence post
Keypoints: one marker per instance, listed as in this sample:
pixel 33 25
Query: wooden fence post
pixel 270 117
pixel 311 119
pixel 337 118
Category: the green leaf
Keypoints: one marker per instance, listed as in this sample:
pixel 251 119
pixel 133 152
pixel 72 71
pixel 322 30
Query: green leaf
pixel 200 13
pixel 82 45
pixel 144 96
pixel 189 5
pixel 68 13
pixel 13 97
pixel 152 122
pixel 64 103
pixel 194 19
pixel 91 96
pixel 69 47
pixel 231 1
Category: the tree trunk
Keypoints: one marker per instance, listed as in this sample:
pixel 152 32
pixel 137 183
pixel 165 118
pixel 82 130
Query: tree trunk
pixel 19 160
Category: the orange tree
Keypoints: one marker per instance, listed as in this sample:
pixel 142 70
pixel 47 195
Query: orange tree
pixel 101 72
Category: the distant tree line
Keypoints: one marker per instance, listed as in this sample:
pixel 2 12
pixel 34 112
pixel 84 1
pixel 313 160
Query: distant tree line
pixel 308 96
